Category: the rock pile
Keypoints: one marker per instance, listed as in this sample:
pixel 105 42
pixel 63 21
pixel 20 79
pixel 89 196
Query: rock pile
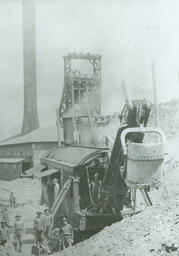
pixel 152 232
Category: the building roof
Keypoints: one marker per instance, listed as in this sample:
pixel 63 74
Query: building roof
pixel 46 173
pixel 43 134
pixel 35 169
pixel 74 155
pixel 11 160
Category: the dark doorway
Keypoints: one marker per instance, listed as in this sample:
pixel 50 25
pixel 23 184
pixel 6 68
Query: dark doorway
pixel 26 166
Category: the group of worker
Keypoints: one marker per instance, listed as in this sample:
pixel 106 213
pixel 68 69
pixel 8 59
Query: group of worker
pixel 54 239
pixel 46 236
pixel 17 227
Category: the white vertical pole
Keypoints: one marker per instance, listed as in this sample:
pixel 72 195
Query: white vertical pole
pixel 155 93
pixel 58 127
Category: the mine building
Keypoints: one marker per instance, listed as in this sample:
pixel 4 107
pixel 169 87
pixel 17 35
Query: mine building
pixel 24 151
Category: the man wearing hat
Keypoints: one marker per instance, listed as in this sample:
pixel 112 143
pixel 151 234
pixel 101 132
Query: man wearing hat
pixel 5 217
pixel 66 233
pixel 56 189
pixel 96 188
pixel 12 200
pixel 18 233
pixel 38 227
pixel 47 223
pixel 1 215
pixel 4 234
pixel 50 191
pixel 55 241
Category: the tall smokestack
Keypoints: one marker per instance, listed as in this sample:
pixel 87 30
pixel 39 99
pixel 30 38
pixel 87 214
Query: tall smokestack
pixel 30 119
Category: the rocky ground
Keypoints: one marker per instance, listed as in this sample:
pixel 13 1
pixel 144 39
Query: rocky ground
pixel 154 231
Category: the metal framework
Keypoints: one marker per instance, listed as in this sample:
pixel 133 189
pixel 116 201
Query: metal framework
pixel 78 87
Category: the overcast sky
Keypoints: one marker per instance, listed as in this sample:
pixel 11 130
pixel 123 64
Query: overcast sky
pixel 128 34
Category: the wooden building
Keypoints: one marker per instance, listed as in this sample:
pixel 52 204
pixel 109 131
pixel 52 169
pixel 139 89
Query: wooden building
pixel 20 153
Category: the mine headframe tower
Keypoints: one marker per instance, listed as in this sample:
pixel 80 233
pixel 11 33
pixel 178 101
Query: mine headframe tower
pixel 81 96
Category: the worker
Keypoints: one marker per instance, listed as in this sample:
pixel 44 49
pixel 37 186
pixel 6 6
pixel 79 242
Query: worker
pixel 56 189
pixel 66 233
pixel 96 188
pixel 1 215
pixel 12 200
pixel 4 234
pixel 119 191
pixel 38 227
pixel 55 241
pixel 5 217
pixel 18 233
pixel 47 223
pixel 50 191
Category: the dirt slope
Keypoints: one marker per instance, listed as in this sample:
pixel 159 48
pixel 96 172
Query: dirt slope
pixel 152 232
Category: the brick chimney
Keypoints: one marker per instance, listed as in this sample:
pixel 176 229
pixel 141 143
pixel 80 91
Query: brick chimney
pixel 30 119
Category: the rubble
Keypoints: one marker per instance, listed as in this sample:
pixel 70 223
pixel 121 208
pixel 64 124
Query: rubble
pixel 151 232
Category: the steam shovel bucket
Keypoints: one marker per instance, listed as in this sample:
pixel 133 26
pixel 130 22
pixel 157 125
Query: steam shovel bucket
pixel 144 160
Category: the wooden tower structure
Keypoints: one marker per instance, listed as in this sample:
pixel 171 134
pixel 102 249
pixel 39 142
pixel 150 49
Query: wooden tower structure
pixel 81 98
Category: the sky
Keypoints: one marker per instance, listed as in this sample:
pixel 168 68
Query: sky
pixel 128 34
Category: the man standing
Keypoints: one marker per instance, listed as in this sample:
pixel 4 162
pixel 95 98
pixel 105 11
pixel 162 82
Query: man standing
pixel 38 228
pixel 96 188
pixel 55 242
pixel 50 191
pixel 47 223
pixel 18 233
pixel 119 190
pixel 12 200
pixel 1 215
pixel 4 234
pixel 56 189
pixel 5 217
pixel 66 233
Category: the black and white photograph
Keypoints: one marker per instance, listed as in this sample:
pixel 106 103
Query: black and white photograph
pixel 89 130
